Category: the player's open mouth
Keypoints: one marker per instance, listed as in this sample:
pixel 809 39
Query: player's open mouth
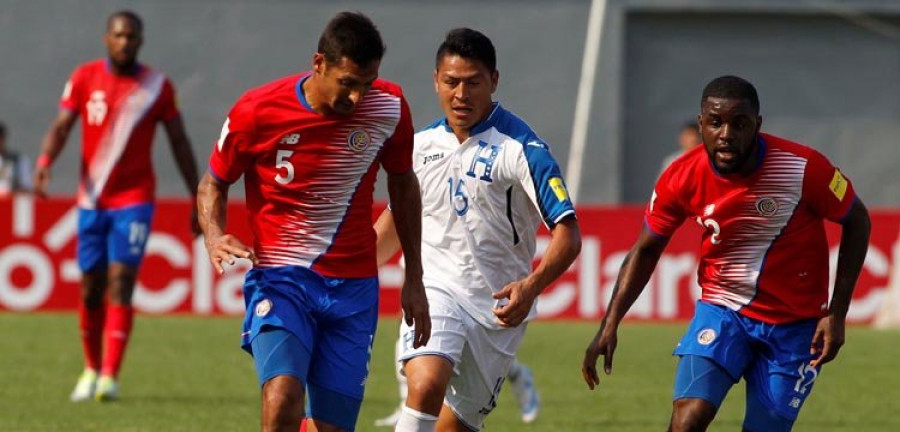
pixel 726 155
pixel 462 111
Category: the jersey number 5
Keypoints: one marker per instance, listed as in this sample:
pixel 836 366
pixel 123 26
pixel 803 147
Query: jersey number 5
pixel 282 161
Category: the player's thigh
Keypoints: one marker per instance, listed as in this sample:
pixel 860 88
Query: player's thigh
pixel 448 330
pixel 717 333
pixel 781 379
pixel 473 393
pixel 698 377
pixel 93 230
pixel 343 348
pixel 129 234
pixel 278 317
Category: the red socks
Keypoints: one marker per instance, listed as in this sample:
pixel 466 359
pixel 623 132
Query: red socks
pixel 119 320
pixel 90 321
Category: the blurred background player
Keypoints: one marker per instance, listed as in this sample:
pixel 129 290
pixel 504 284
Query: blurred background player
pixel 764 313
pixel 688 138
pixel 120 101
pixel 309 147
pixel 15 169
pixel 487 182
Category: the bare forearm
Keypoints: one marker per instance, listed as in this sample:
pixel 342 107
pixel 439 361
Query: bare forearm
pixel 851 255
pixel 212 198
pixel 633 277
pixel 387 243
pixel 56 136
pixel 565 245
pixel 183 153
pixel 407 213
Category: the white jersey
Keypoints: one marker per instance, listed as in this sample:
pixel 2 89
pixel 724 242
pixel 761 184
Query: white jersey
pixel 482 202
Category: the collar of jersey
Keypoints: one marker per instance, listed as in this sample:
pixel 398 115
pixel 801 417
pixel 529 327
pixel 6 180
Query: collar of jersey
pixel 298 88
pixel 760 156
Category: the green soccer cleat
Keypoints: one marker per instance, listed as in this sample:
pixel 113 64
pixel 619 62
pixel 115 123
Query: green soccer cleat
pixel 107 389
pixel 84 389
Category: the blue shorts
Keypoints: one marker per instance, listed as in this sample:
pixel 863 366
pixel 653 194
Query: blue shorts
pixel 721 346
pixel 118 235
pixel 317 329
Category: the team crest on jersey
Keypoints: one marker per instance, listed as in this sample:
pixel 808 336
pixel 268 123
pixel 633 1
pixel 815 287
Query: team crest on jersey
pixel 706 336
pixel 263 308
pixel 766 206
pixel 358 140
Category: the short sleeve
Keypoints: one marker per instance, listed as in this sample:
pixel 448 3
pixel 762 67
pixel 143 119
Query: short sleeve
pixel 664 213
pixel 71 97
pixel 827 192
pixel 397 156
pixel 231 155
pixel 542 173
pixel 168 103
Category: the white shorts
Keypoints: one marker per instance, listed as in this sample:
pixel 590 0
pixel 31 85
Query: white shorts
pixel 481 357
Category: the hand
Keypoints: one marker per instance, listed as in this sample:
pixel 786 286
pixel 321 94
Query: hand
pixel 225 248
pixel 521 295
pixel 415 310
pixel 827 341
pixel 41 181
pixel 604 343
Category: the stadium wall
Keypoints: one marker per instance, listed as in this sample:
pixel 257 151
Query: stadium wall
pixel 826 71
pixel 39 272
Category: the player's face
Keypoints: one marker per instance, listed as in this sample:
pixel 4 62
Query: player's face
pixel 464 88
pixel 123 39
pixel 343 84
pixel 729 128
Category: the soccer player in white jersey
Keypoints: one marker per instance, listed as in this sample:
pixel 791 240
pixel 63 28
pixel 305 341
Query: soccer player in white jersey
pixel 487 182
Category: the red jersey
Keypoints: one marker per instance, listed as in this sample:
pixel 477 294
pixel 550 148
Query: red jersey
pixel 764 251
pixel 118 119
pixel 309 178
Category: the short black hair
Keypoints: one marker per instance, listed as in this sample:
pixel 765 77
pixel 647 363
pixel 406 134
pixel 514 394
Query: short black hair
pixel 354 36
pixel 468 44
pixel 129 15
pixel 731 87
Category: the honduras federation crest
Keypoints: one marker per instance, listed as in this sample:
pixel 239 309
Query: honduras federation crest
pixel 358 140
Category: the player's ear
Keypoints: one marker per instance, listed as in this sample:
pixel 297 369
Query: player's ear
pixel 758 123
pixel 318 63
pixel 495 79
pixel 435 80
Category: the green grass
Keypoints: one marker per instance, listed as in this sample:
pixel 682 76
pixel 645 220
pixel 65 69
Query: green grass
pixel 187 374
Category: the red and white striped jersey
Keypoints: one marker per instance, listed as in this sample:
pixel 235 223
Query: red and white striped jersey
pixel 310 178
pixel 118 120
pixel 764 251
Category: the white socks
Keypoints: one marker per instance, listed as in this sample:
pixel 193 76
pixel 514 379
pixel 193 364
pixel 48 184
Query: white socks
pixel 415 421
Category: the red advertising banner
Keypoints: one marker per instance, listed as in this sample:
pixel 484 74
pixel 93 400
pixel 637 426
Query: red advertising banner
pixel 39 271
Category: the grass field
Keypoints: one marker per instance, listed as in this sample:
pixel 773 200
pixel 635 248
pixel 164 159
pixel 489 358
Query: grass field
pixel 187 374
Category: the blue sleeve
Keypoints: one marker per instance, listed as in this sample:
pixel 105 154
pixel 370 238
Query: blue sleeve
pixel 552 196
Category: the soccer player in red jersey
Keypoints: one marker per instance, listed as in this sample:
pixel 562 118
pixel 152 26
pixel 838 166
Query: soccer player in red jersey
pixel 764 314
pixel 120 101
pixel 309 147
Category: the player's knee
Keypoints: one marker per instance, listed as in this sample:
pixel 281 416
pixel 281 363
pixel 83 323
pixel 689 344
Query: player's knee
pixel 284 394
pixel 121 284
pixel 691 415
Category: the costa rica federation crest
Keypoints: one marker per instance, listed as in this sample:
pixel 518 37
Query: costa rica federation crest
pixel 766 206
pixel 358 140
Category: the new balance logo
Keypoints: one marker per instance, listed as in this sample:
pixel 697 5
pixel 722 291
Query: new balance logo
pixel 537 144
pixel 290 139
